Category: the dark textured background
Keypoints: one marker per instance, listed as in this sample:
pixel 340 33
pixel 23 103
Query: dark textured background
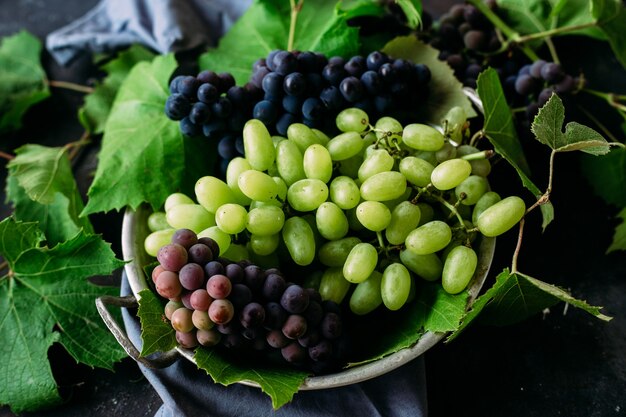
pixel 562 363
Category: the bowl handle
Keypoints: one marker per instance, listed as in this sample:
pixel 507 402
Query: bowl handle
pixel 156 361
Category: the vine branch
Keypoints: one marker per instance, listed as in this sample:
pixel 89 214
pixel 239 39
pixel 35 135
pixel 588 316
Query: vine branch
pixel 295 9
pixel 70 86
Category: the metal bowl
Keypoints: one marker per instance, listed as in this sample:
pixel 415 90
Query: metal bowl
pixel 134 230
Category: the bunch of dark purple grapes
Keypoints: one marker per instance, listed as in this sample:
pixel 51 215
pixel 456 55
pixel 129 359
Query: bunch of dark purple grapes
pixel 305 87
pixel 213 301
pixel 464 36
pixel 534 83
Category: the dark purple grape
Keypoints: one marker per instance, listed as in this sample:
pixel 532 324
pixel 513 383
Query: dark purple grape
pixel 188 86
pixel 473 70
pixel 525 84
pixel 332 98
pixel 234 272
pixel 212 244
pixel 387 73
pixel 372 82
pixel 189 128
pixel 191 276
pixel 535 68
pixel 251 333
pixel 174 84
pixel 257 77
pixel 239 145
pixel 544 96
pixel 403 68
pixel 295 299
pixel 284 122
pixel 314 313
pixel 511 68
pixel 333 73
pixel 293 353
pixel 252 315
pixel 273 84
pixel 259 63
pixel 307 61
pixel 295 326
pixel 265 111
pixel 294 84
pixel 474 17
pixel 423 74
pixel 273 287
pixel 566 85
pixel 185 298
pixel 269 61
pixel 184 237
pixel 168 285
pixel 355 66
pixel 383 103
pixel 475 40
pixel 314 84
pixel 331 326
pixel 531 110
pixel 208 93
pixel 238 96
pixel 456 62
pixel 351 89
pixel 375 59
pixel 313 108
pixel 284 62
pixel 226 81
pixel 234 341
pixel 552 73
pixel 222 107
pixel 226 148
pixel 310 338
pixel 187 340
pixel 200 300
pixel 275 316
pixel 367 105
pixel 277 339
pixel 214 129
pixel 321 351
pixel 172 257
pixel 219 286
pixel 177 107
pixel 240 295
pixel 254 277
pixel 330 306
pixel 231 327
pixel 208 77
pixel 200 113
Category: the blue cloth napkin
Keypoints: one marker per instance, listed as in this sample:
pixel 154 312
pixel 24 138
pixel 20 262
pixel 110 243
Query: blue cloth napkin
pixel 189 392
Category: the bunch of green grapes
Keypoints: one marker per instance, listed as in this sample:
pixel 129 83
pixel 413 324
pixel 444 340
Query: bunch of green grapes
pixel 369 210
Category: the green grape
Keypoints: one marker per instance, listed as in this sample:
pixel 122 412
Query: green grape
pixel 272 171
pixel 264 244
pixel 395 286
pixel 422 137
pixel 310 219
pixel 391 204
pixel 313 279
pixel 299 240
pixel 335 252
pixel 331 221
pixel 323 139
pixel 231 218
pixel 480 167
pixel 366 295
pixel 235 167
pixel 458 269
pixel 374 215
pixel 447 152
pixel 257 204
pixel 211 192
pixel 265 220
pixel 302 136
pixel 417 171
pixel 350 166
pixel 360 263
pixel 307 194
pixel 427 213
pixel 276 139
pixel 333 286
pixel 344 146
pixel 352 120
pixel 222 239
pixel 190 216
pixel 473 187
pixel 368 140
pixel 258 145
pixel 487 200
pixel 383 186
pixel 427 156
pixel 155 240
pixel 257 185
pixel 501 216
pixel 289 161
pixel 404 218
pixel 157 221
pixel 282 188
pixel 429 238
pixel 344 192
pixel 175 199
pixel 236 252
pixel 456 118
pixel 388 130
pixel 428 267
pixel 353 221
pixel 449 174
pixel 378 161
pixel 317 163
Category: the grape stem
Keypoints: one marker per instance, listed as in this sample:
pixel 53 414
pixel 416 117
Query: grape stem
pixel 6 156
pixel 478 155
pixel 70 86
pixel 452 208
pixel 381 242
pixel 74 147
pixel 612 99
pixel 295 9
pixel 600 125
pixel 555 31
pixel 476 137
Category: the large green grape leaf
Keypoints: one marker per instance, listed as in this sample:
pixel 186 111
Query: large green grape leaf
pixel 445 90
pixel 22 78
pixel 321 26
pixel 547 128
pixel 607 175
pixel 500 131
pixel 157 334
pixel 95 112
pixel 142 157
pixel 280 382
pixel 611 18
pixel 619 238
pixel 46 298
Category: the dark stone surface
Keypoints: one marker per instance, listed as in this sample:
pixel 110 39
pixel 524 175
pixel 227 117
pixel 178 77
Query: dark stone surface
pixel 564 363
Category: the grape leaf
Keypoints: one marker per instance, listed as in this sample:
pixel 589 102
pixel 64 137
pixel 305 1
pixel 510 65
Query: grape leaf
pixel 533 16
pixel 500 131
pixel 142 156
pixel 607 176
pixel 412 10
pixel 157 334
pixel 45 299
pixel 442 312
pixel 619 239
pixel 321 26
pixel 22 78
pixel 611 18
pixel 279 382
pixel 446 90
pixel 95 112
pixel 547 129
